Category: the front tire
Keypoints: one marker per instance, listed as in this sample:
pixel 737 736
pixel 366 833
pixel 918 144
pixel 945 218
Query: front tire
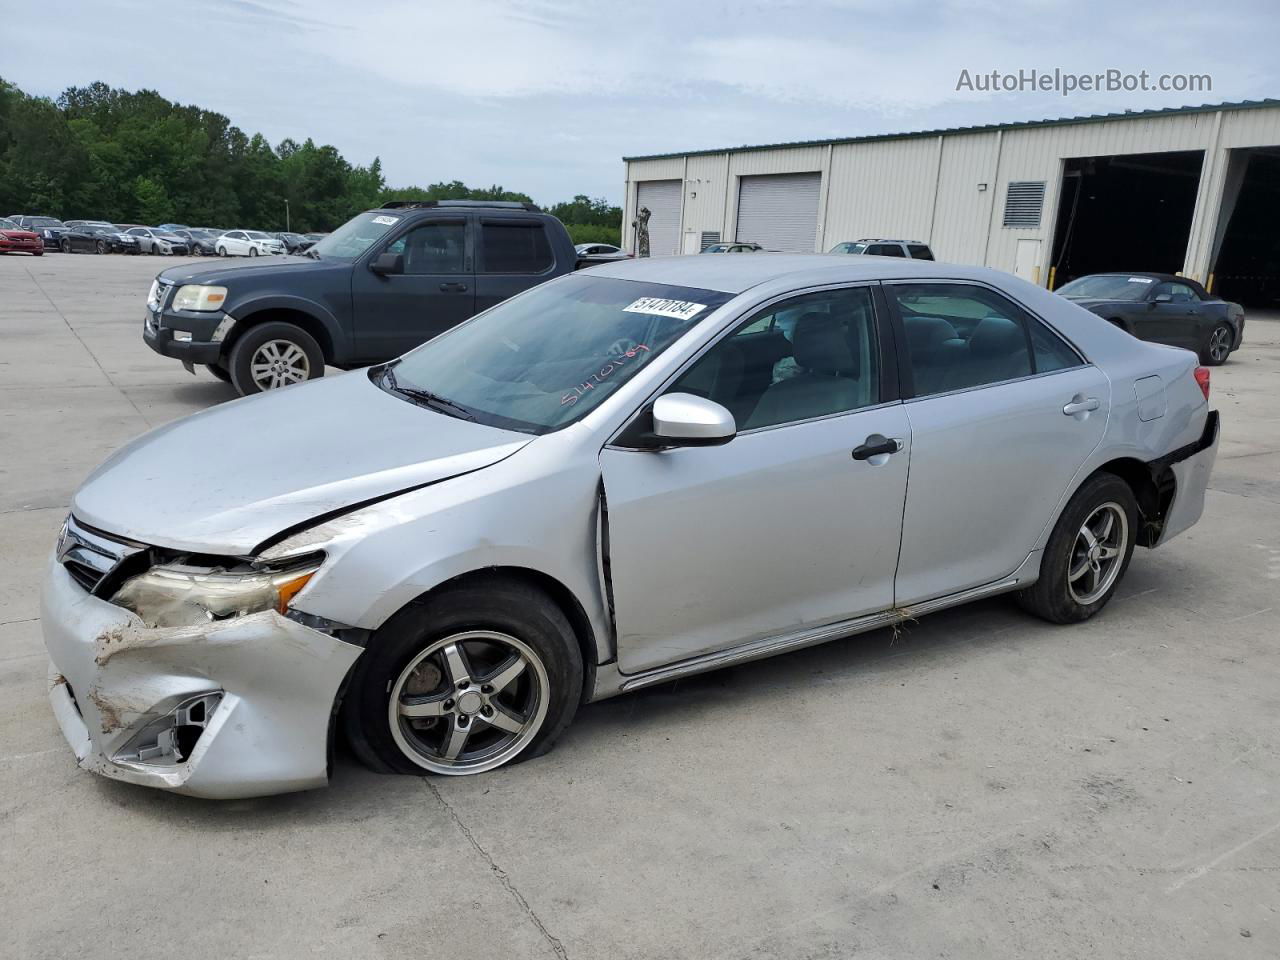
pixel 219 371
pixel 1218 347
pixel 66 246
pixel 480 676
pixel 274 355
pixel 1087 553
pixel 253 251
pixel 101 247
pixel 222 251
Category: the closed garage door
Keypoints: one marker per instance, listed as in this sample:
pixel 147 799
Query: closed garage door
pixel 780 211
pixel 662 197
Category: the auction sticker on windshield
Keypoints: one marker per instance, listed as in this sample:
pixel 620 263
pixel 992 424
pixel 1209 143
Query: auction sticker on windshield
pixel 1139 279
pixel 676 309
pixel 386 221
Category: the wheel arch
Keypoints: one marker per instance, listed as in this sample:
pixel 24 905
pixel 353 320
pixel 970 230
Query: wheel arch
pixel 321 329
pixel 556 591
pixel 1152 488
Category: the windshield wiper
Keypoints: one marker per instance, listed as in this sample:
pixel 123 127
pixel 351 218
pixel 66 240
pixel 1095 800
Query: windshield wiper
pixel 435 400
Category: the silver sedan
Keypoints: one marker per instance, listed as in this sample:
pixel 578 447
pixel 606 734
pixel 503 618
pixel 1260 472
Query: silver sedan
pixel 624 476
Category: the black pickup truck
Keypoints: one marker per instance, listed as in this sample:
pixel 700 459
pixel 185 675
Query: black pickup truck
pixel 384 282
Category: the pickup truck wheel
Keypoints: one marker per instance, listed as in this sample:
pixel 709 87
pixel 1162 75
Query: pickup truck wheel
pixel 1087 553
pixel 480 676
pixel 219 371
pixel 1218 347
pixel 274 355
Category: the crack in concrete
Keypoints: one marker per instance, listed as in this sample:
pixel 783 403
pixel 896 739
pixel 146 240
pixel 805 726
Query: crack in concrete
pixel 101 369
pixel 499 874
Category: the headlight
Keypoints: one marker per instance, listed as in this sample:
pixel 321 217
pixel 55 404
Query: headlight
pixel 177 596
pixel 198 297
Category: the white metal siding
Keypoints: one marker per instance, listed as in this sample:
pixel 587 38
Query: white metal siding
pixel 780 211
pixel 662 197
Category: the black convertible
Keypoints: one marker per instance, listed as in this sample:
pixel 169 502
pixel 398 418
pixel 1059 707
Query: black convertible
pixel 90 237
pixel 1164 309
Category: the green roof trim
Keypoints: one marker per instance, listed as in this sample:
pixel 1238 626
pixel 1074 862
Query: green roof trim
pixel 984 128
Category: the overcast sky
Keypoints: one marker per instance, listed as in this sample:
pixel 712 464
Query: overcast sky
pixel 546 96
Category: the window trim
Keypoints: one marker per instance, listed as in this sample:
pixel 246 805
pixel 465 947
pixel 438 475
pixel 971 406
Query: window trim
pixel 524 223
pixel 906 377
pixel 881 329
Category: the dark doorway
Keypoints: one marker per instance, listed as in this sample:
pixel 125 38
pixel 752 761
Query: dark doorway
pixel 1248 263
pixel 1130 212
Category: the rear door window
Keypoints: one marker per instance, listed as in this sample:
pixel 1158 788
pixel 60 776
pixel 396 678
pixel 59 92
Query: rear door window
pixel 514 246
pixel 919 251
pixel 885 250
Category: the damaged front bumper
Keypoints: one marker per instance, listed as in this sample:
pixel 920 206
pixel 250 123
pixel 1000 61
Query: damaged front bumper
pixel 235 708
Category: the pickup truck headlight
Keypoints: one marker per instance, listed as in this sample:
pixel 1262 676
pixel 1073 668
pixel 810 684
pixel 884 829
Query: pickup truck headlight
pixel 180 596
pixel 198 297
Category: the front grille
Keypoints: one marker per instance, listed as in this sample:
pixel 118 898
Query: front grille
pixel 92 557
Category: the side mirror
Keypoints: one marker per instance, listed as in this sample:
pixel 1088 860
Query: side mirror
pixel 1163 298
pixel 683 420
pixel 388 263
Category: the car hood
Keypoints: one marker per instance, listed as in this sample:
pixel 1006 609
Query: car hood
pixel 227 479
pixel 20 234
pixel 231 271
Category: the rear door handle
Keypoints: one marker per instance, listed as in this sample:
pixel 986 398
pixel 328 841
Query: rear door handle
pixel 1081 404
pixel 453 288
pixel 876 445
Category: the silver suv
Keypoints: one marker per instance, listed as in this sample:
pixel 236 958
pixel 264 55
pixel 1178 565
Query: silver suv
pixel 912 249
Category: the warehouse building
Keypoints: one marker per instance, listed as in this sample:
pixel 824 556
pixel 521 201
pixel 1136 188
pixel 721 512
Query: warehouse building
pixel 1191 190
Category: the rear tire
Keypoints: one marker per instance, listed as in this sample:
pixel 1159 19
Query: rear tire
pixel 273 355
pixel 495 622
pixel 1077 579
pixel 1218 347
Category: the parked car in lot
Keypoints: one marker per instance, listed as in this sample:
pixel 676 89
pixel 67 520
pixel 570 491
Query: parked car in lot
pixel 733 248
pixel 91 237
pixel 14 239
pixel 1163 308
pixel 248 243
pixel 49 229
pixel 912 249
pixel 153 240
pixel 380 285
pixel 600 252
pixel 606 482
pixel 294 242
pixel 200 242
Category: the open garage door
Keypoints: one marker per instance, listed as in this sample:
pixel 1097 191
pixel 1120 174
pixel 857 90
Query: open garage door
pixel 1130 212
pixel 1247 267
pixel 779 211
pixel 662 197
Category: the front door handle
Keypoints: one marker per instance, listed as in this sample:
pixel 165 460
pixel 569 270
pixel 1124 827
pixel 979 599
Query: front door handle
pixel 876 445
pixel 453 288
pixel 1081 404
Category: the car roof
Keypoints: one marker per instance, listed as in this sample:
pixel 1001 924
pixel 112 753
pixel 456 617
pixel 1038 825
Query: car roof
pixel 736 274
pixel 886 240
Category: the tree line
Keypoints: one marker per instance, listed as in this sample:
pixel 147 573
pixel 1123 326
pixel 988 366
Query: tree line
pixel 102 153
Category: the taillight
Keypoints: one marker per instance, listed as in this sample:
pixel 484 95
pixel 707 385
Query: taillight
pixel 1202 378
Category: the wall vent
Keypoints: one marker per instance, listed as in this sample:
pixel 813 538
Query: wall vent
pixel 708 238
pixel 1024 203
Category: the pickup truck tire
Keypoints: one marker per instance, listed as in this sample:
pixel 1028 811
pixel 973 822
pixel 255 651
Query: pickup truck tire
pixel 273 355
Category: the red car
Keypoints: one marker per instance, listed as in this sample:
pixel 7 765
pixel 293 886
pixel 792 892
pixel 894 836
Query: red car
pixel 13 239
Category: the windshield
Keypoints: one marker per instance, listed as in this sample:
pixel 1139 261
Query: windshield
pixel 1108 286
pixel 849 248
pixel 256 235
pixel 355 236
pixel 544 359
pixel 45 222
pixel 7 224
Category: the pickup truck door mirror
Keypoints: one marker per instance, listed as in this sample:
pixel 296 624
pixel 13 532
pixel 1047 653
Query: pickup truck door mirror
pixel 388 263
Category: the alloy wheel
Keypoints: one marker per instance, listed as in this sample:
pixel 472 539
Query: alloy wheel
pixel 468 702
pixel 1220 344
pixel 1097 553
pixel 278 363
